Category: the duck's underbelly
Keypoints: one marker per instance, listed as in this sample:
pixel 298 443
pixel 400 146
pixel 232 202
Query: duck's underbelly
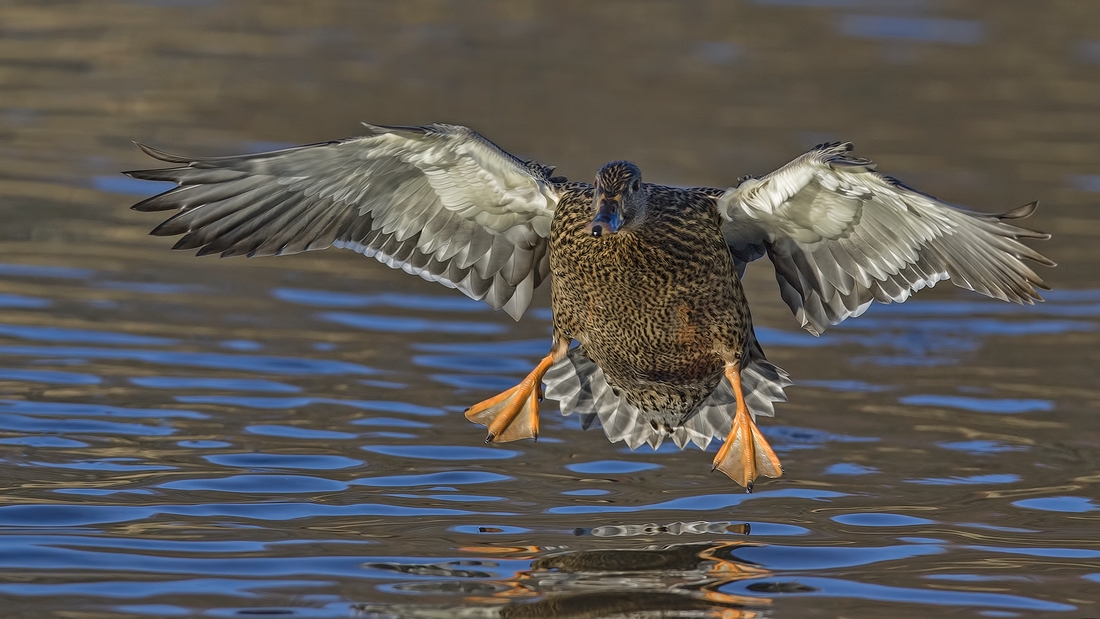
pixel 656 342
pixel 649 343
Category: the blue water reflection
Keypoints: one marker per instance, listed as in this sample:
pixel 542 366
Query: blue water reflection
pixel 1065 504
pixel 273 365
pixel 43 441
pixel 132 186
pixel 326 298
pixel 49 376
pixel 259 484
pixel 787 438
pixel 305 434
pixel 846 385
pixel 480 382
pixel 391 422
pixel 151 287
pixel 101 492
pixel 300 402
pixel 982 447
pixel 22 423
pixel 81 336
pixel 64 409
pixel 23 302
pixel 831 587
pixel 105 464
pixel 406 324
pixel 203 444
pixel 514 348
pixel 929 30
pixel 931 333
pixel 994 478
pixel 850 468
pixel 1056 553
pixel 283 461
pixel 611 467
pixel 586 492
pixel 41 270
pixel 34 516
pixel 777 557
pixel 488 365
pixel 118 589
pixel 981 405
pixel 245 345
pixel 443 452
pixel 490 529
pixel 444 478
pixel 881 520
pixel 228 384
pixel 1085 182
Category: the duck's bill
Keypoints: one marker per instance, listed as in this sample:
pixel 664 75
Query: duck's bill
pixel 608 219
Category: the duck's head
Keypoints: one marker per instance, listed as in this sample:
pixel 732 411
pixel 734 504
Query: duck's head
pixel 619 198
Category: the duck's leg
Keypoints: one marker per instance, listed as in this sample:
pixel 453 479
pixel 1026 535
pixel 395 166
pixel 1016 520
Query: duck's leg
pixel 746 454
pixel 514 414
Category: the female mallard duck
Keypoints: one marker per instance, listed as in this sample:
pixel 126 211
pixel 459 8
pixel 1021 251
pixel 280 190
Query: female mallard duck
pixel 646 277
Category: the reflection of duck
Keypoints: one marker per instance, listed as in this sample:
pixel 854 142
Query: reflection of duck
pixel 645 276
pixel 673 528
pixel 678 557
pixel 640 604
pixel 659 581
pixel 706 560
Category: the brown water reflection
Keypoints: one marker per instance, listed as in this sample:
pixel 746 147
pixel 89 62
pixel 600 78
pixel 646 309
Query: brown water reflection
pixel 182 436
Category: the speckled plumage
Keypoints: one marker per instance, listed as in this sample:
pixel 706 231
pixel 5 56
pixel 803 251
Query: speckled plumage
pixel 654 305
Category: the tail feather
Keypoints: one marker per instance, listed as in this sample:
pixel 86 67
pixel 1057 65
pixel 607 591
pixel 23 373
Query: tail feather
pixel 581 388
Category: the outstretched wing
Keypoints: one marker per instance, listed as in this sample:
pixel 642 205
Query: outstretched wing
pixel 440 201
pixel 842 235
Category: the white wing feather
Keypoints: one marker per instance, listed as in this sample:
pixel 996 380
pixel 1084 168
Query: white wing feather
pixel 841 235
pixel 440 201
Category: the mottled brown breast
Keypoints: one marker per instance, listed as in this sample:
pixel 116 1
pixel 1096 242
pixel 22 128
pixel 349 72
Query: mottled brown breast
pixel 653 302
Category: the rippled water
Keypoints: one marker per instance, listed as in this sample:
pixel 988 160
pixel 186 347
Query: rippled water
pixel 284 436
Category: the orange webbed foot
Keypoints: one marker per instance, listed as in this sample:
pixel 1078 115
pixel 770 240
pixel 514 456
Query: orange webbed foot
pixel 746 454
pixel 513 414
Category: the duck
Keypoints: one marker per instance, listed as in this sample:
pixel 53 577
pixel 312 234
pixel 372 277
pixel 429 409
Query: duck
pixel 652 334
